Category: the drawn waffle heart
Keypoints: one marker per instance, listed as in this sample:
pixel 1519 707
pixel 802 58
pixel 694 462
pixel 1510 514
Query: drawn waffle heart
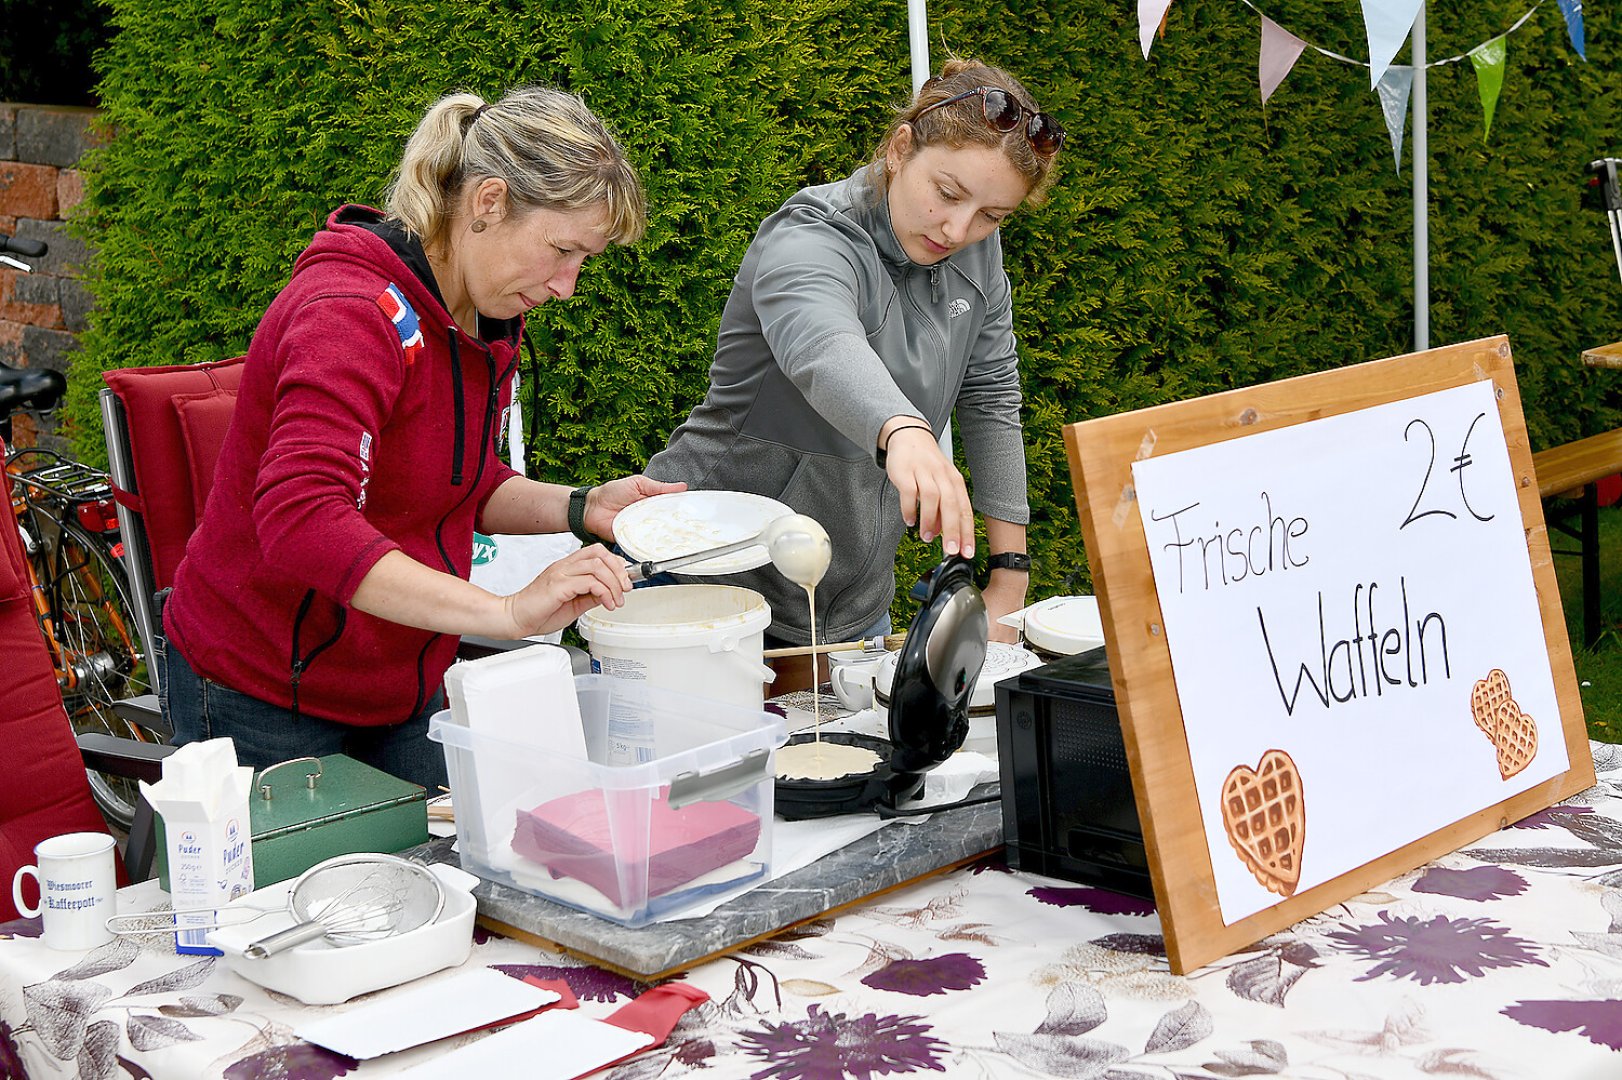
pixel 1485 698
pixel 1516 736
pixel 1265 818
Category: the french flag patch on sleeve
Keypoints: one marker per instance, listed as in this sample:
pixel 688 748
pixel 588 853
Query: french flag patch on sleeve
pixel 404 318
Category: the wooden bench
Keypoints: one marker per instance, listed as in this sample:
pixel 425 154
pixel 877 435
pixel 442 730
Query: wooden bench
pixel 1604 356
pixel 1573 470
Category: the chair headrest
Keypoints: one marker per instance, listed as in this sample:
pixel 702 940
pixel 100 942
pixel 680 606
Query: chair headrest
pixel 175 420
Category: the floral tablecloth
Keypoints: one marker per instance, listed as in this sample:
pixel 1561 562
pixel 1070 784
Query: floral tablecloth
pixel 1501 960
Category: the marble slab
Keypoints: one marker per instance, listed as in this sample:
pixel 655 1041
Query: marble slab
pixel 899 852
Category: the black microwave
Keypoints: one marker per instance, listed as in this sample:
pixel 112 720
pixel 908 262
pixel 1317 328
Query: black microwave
pixel 1067 805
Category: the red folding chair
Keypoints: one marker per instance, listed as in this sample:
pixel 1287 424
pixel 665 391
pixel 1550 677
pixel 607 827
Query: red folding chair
pixel 164 427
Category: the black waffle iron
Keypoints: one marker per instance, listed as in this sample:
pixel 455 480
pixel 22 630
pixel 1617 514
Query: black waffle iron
pixel 929 705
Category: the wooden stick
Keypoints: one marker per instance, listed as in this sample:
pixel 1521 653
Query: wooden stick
pixel 891 642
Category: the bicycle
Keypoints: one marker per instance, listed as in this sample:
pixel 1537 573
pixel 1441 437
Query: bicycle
pixel 66 515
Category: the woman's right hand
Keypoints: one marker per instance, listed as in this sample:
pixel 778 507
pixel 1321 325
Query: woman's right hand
pixel 567 589
pixel 933 495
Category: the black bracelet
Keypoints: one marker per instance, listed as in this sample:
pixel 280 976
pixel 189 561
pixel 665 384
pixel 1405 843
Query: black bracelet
pixel 577 514
pixel 1010 560
pixel 883 453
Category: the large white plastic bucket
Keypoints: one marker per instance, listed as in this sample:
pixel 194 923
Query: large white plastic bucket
pixel 702 640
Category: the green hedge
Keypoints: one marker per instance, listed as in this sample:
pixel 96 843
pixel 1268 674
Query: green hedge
pixel 1195 242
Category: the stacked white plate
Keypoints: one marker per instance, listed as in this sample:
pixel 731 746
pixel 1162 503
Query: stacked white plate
pixel 1063 625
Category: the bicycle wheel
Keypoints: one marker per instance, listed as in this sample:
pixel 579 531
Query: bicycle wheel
pixel 101 657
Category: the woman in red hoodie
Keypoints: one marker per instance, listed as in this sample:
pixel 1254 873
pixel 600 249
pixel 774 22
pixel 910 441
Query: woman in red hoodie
pixel 322 595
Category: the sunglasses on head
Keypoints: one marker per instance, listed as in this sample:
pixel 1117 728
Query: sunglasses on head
pixel 1005 114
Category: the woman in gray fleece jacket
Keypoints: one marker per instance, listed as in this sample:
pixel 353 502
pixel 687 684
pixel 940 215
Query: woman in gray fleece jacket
pixel 865 315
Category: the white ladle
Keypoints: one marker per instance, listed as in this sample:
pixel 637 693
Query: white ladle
pixel 798 546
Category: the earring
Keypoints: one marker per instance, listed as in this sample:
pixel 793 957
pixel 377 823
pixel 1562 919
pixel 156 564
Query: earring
pixel 479 225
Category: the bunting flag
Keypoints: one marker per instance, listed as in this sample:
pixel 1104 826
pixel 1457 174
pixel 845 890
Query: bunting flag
pixel 1151 16
pixel 1488 60
pixel 1387 23
pixel 1280 50
pixel 1394 87
pixel 1573 11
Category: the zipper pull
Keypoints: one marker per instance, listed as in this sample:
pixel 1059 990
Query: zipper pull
pixel 935 284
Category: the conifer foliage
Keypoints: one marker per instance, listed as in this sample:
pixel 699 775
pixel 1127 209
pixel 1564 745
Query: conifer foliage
pixel 1194 241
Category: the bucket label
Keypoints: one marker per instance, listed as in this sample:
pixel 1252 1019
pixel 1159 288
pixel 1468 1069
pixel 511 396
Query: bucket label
pixel 619 667
pixel 484 549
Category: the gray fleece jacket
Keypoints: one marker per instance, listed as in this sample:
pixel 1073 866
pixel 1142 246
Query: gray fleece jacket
pixel 829 331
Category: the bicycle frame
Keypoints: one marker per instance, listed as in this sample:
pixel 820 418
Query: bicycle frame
pixel 67 488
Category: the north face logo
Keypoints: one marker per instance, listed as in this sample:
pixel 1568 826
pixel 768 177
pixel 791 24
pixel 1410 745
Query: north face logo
pixel 957 307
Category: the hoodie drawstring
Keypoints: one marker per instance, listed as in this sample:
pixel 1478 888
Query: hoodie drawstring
pixel 461 411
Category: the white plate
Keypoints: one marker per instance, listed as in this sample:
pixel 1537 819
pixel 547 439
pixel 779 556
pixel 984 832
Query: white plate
pixel 683 522
pixel 1064 624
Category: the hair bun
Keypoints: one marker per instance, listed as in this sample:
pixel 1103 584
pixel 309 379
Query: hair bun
pixel 956 66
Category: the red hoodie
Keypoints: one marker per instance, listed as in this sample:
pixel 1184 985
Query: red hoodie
pixel 366 422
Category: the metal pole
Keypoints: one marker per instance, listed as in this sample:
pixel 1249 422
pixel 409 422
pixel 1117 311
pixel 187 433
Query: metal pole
pixel 1616 237
pixel 918 40
pixel 515 429
pixel 1421 143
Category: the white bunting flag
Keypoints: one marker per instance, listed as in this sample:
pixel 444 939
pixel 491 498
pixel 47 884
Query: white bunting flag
pixel 1387 23
pixel 1394 87
pixel 1280 50
pixel 1150 14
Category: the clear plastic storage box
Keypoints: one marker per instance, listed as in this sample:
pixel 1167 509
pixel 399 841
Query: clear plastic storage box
pixel 672 806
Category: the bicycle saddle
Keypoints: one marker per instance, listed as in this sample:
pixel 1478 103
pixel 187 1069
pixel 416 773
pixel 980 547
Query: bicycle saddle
pixel 30 388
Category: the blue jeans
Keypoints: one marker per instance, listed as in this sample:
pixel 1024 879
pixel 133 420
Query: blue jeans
pixel 265 734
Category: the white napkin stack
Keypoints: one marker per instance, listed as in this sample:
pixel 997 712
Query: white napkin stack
pixel 527 697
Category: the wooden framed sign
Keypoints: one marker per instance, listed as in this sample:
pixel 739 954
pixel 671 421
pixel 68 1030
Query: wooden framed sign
pixel 1334 633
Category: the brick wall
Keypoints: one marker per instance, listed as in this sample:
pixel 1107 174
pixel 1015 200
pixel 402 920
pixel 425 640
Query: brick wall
pixel 42 312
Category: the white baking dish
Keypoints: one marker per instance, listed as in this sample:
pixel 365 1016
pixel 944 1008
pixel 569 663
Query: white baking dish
pixel 317 973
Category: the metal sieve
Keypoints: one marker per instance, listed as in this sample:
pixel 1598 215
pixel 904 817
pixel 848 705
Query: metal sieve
pixel 356 898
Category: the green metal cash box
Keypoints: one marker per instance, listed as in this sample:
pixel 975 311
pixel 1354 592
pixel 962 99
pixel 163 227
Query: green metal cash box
pixel 320 807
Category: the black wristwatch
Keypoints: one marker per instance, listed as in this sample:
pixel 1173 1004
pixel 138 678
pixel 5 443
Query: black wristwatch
pixel 1010 560
pixel 577 514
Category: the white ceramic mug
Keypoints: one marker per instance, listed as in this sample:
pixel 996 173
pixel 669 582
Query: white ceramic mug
pixel 78 886
pixel 851 674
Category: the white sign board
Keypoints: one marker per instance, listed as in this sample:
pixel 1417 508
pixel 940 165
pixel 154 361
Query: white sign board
pixel 1357 643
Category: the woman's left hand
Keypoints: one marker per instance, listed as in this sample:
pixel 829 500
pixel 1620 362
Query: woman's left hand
pixel 605 501
pixel 564 591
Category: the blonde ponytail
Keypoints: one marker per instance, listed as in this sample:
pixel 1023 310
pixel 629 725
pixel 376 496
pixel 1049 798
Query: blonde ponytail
pixel 552 151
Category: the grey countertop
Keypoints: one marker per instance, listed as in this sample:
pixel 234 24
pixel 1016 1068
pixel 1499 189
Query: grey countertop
pixel 899 852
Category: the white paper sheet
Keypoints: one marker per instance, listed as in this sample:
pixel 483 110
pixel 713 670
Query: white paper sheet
pixel 556 1045
pixel 426 1013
